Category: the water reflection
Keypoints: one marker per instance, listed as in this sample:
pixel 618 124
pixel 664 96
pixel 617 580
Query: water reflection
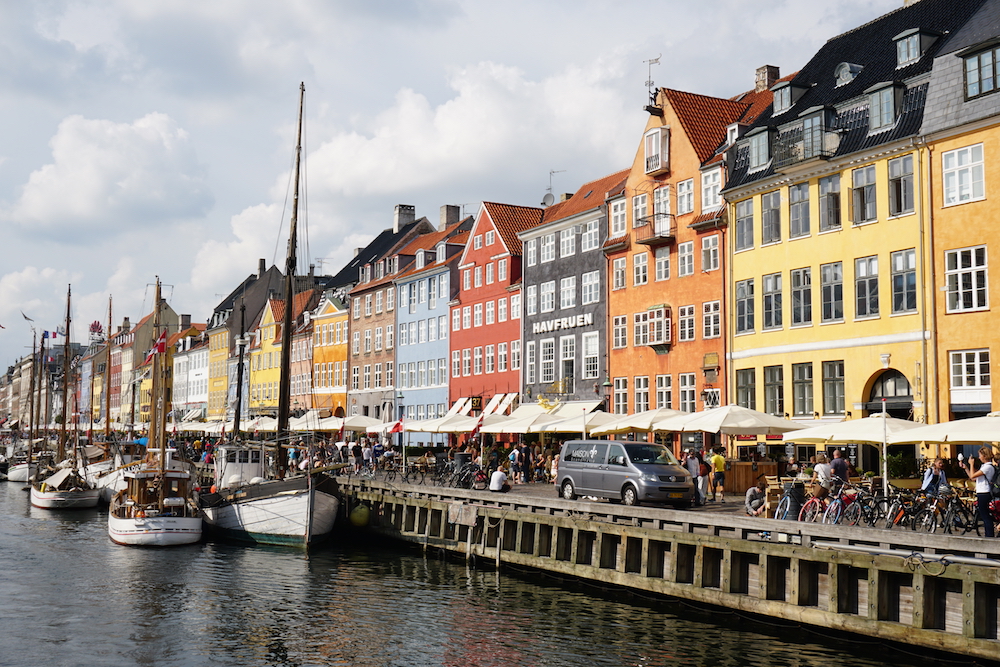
pixel 73 597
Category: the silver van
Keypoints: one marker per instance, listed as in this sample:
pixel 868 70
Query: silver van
pixel 623 471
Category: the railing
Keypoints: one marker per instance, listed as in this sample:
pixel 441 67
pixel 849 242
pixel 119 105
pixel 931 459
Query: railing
pixel 803 141
pixel 655 229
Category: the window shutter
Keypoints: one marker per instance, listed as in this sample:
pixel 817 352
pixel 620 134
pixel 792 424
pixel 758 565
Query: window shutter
pixel 667 326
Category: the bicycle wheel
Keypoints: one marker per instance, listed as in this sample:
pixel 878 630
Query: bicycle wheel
pixel 874 511
pixel 832 514
pixel 893 515
pixel 926 521
pixel 784 505
pixel 480 481
pixel 811 510
pixel 852 515
pixel 390 475
pixel 959 520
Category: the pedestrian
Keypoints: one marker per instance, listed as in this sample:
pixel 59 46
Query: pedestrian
pixel 822 479
pixel 756 499
pixel 839 465
pixel 525 460
pixel 498 481
pixel 717 465
pixel 934 477
pixel 358 453
pixel 695 465
pixel 984 476
pixel 555 469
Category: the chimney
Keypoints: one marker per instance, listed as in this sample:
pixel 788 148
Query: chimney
pixel 126 325
pixel 566 196
pixel 357 251
pixel 449 216
pixel 403 215
pixel 261 267
pixel 185 322
pixel 767 76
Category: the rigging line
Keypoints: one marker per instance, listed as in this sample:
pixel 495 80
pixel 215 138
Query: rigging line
pixel 304 192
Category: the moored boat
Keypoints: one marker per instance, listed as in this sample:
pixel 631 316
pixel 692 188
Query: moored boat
pixel 64 489
pixel 156 507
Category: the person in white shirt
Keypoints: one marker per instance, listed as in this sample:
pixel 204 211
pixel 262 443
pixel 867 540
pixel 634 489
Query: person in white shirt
pixel 498 481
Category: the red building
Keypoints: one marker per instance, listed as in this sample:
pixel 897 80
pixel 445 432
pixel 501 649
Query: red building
pixel 485 364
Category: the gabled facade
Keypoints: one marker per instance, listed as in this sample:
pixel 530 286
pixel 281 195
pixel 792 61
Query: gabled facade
pixel 329 349
pixel 830 281
pixel 485 364
pixel 564 288
pixel 265 353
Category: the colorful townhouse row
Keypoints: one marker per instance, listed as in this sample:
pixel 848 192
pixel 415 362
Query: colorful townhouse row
pixel 815 248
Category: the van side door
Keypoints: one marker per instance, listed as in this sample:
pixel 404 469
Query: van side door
pixel 616 471
pixel 592 470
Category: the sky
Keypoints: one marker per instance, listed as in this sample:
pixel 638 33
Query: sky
pixel 156 139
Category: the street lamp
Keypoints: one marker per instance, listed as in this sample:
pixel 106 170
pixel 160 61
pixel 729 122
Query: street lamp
pixel 606 387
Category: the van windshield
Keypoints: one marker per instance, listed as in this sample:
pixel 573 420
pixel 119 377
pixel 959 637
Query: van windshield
pixel 646 453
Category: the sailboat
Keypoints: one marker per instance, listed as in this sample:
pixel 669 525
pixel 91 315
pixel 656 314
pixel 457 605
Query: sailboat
pixel 244 505
pixel 23 466
pixel 65 488
pixel 156 508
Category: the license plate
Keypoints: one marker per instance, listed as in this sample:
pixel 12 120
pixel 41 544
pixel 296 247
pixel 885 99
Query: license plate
pixel 675 495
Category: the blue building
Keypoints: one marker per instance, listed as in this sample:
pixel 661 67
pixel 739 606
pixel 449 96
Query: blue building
pixel 422 322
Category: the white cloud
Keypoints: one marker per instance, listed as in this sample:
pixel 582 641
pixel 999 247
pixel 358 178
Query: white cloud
pixel 109 177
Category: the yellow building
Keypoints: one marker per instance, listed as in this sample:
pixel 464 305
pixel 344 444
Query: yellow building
pixel 265 361
pixel 329 385
pixel 831 291
pixel 218 371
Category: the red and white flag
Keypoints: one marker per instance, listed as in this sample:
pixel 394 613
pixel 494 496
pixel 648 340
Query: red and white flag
pixel 479 425
pixel 397 427
pixel 159 348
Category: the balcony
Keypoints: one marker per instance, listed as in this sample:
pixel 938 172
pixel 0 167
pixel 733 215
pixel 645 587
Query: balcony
pixel 803 141
pixel 655 230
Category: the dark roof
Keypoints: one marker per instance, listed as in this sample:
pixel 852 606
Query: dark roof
pixel 380 245
pixel 983 27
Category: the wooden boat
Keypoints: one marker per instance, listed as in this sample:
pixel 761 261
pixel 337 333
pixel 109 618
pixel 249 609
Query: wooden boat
pixel 64 489
pixel 157 505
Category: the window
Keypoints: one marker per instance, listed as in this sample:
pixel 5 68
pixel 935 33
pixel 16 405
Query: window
pixel 965 273
pixel 618 273
pixel 467 362
pixel 711 185
pixel 640 329
pixel 866 286
pixel 567 356
pixel 466 280
pixel 531 252
pixel 798 218
pixel 618 331
pixel 656 143
pixel 774 390
pixel 963 175
pixel 640 393
pixel 802 389
pixel 863 194
pixel 685 259
pixel 907 49
pixel 640 209
pixel 477 315
pixel 746 388
pixel 904 281
pixel 801 296
pixel 456 363
pixel 659 326
pixel 378 302
pixel 479 277
pixel 687 391
pixel 515 306
pixel 356 377
pixel 357 307
pixel 771 294
pixel 547 297
pixel 548 360
pixel 621 396
pixel 640 268
pixel 711 319
pixel 710 253
pixel 356 343
pixel 442 327
pixel 832 290
pixel 685 196
pixel 664 391
pixel 477 361
pixel 490 237
pixel 744 224
pixel 661 208
pixel 501 357
pixel 591 288
pixel 759 151
pixel 901 185
pixel 770 217
pixel 744 306
pixel 829 203
pixel 567 292
pixel 980 73
pixel 477 241
pixel 501 272
pixel 489 359
pixel 548 248
pixel 970 368
pixel 833 387
pixel 501 310
pixel 489 312
pixel 390 298
pixel 515 355
pixel 531 300
pixel 466 317
pixel 662 260
pixel 590 239
pixel 618 217
pixel 685 323
pixel 782 99
pixel 567 242
pixel 378 339
pixel 882 109
pixel 456 320
pixel 388 337
pixel 591 350
pixel 489 273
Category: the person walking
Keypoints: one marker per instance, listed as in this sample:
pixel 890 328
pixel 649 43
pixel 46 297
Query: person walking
pixel 718 468
pixel 983 476
pixel 693 463
pixel 839 465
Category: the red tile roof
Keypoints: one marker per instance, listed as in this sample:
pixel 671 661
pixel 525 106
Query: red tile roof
pixel 705 119
pixel 758 102
pixel 510 219
pixel 299 303
pixel 590 196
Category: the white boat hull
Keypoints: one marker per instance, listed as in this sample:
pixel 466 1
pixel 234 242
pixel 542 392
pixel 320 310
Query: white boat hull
pixel 74 499
pixel 155 531
pixel 20 472
pixel 275 519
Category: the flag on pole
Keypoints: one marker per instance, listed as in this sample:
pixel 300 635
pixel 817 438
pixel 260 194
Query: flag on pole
pixel 479 425
pixel 158 348
pixel 340 436
pixel 397 427
pixel 26 317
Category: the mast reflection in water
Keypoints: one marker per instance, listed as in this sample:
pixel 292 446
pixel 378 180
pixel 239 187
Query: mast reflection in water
pixel 70 597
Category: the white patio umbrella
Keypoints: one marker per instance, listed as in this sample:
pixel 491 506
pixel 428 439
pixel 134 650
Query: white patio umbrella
pixel 640 421
pixel 969 431
pixel 356 423
pixel 519 424
pixel 581 424
pixel 729 420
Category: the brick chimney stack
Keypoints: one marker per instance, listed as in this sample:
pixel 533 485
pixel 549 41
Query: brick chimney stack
pixel 767 76
pixel 403 215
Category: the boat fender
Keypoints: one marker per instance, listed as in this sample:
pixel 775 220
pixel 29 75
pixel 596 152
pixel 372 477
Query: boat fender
pixel 140 515
pixel 359 516
pixel 213 489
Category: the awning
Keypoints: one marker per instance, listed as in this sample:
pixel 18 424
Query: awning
pixel 467 408
pixel 574 408
pixel 492 405
pixel 457 406
pixel 505 403
pixel 191 415
pixel 11 424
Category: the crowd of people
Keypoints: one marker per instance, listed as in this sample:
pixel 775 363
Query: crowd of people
pixel 708 471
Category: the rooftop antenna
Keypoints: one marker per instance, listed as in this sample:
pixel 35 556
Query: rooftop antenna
pixel 649 80
pixel 549 198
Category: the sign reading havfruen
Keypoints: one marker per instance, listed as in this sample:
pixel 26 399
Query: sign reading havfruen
pixel 559 323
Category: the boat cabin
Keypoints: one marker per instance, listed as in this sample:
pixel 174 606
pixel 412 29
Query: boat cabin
pixel 237 466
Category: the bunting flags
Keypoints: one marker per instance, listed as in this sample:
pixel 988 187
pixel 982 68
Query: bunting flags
pixel 159 348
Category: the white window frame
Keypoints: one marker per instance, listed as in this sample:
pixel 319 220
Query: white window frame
pixel 685 259
pixel 711 190
pixel 685 197
pixel 962 175
pixel 965 267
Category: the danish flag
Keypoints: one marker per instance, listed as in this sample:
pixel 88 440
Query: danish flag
pixel 158 348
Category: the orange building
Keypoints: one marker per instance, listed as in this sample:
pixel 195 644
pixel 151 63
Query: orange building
pixel 329 355
pixel 666 252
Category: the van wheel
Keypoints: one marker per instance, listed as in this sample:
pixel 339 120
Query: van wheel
pixel 568 492
pixel 630 496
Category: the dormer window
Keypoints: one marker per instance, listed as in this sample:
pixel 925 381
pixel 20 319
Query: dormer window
pixel 911 45
pixel 439 252
pixel 367 273
pixel 420 259
pixel 786 94
pixel 981 71
pixel 882 106
pixel 657 148
pixel 760 151
pixel 846 72
pixel 379 269
pixel 732 134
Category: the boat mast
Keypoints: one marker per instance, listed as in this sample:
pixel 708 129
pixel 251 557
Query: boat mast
pixel 61 453
pixel 107 385
pixel 40 386
pixel 239 371
pixel 284 387
pixel 155 435
pixel 31 390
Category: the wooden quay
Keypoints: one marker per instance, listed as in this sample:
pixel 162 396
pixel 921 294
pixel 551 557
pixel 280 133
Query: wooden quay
pixel 935 591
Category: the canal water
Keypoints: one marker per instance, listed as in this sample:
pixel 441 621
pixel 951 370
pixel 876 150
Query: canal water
pixel 68 596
